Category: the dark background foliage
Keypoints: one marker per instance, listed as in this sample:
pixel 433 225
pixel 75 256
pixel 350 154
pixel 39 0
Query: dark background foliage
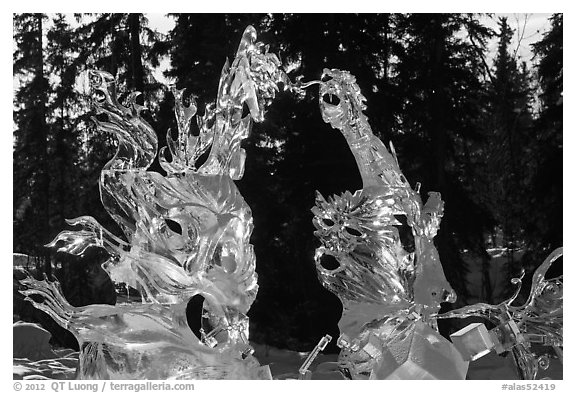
pixel 486 134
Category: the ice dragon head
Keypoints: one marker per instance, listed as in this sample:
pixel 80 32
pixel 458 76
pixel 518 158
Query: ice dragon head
pixel 381 236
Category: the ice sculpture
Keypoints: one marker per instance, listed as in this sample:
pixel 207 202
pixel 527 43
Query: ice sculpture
pixel 519 329
pixel 389 289
pixel 186 234
pixel 377 255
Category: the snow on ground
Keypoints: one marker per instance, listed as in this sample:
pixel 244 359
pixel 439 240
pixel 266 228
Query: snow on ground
pixel 34 359
pixel 285 364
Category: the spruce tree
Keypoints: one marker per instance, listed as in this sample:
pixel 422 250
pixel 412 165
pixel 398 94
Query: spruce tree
pixel 439 76
pixel 544 228
pixel 63 117
pixel 508 129
pixel 30 154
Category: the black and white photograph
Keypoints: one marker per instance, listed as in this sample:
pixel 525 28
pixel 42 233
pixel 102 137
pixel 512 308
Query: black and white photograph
pixel 287 196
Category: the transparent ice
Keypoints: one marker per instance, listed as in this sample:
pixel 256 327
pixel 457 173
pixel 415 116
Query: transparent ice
pixel 523 329
pixel 386 288
pixel 391 288
pixel 186 234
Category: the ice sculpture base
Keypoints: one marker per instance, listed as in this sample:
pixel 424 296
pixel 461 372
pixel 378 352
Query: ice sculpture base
pixel 422 354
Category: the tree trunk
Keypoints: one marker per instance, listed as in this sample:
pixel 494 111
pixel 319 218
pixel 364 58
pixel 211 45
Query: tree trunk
pixel 487 290
pixel 41 184
pixel 439 101
pixel 387 131
pixel 137 69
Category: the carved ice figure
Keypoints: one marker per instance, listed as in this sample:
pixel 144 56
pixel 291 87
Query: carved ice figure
pixel 186 234
pixel 391 288
pixel 524 329
pixel 387 287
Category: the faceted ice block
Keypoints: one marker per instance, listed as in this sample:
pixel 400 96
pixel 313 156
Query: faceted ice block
pixel 373 347
pixel 473 341
pixel 506 336
pixel 423 354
